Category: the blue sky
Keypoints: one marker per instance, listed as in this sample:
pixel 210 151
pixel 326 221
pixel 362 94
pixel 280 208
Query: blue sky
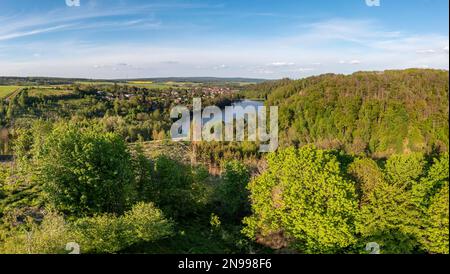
pixel 228 38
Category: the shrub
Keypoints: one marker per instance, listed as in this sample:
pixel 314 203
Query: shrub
pixel 108 233
pixel 50 237
pixel 85 170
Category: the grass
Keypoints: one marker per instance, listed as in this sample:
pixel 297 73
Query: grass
pixel 160 86
pixel 36 92
pixel 175 150
pixel 6 91
pixel 96 83
pixel 140 82
pixel 145 84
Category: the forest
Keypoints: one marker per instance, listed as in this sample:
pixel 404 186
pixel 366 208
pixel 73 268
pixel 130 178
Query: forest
pixel 363 158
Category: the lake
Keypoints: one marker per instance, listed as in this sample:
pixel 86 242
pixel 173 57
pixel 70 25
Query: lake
pixel 240 103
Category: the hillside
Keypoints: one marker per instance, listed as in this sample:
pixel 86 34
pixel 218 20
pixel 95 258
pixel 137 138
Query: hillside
pixel 379 113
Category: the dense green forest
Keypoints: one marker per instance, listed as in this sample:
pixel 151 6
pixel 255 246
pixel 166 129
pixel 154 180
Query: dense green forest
pixel 375 113
pixel 363 158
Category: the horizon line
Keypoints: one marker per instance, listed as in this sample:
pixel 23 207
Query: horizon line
pixel 215 77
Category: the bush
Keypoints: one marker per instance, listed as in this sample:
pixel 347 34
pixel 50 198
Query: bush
pixel 50 237
pixel 108 233
pixel 85 170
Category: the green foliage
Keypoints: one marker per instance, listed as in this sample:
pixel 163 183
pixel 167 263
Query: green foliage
pixel 232 192
pixel 374 113
pixel 305 201
pixel 403 170
pixel 215 222
pixel 105 233
pixel 304 195
pixel 142 167
pixel 435 238
pixel 17 191
pixel 173 187
pixel 390 219
pixel 108 233
pixel 432 198
pixel 50 237
pixel 436 178
pixel 84 170
pixel 29 138
pixel 367 176
pixel 406 212
pixel 4 173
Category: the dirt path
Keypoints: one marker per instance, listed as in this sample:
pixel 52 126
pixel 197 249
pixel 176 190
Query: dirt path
pixel 14 93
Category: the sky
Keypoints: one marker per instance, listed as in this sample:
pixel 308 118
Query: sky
pixel 270 39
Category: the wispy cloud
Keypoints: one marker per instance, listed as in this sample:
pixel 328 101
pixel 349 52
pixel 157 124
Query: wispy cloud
pixel 12 35
pixel 88 17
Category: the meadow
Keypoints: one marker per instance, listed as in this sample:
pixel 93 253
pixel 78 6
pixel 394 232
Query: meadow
pixel 49 91
pixel 5 91
pixel 140 84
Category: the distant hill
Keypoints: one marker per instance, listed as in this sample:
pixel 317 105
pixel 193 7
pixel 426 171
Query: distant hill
pixel 23 81
pixel 60 81
pixel 200 80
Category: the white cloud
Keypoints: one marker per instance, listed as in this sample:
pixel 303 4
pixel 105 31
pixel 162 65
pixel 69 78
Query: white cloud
pixel 281 64
pixel 426 51
pixel 351 62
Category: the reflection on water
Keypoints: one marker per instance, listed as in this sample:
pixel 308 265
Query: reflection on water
pixel 245 103
pixel 241 103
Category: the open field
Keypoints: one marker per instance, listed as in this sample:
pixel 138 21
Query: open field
pixel 140 84
pixel 96 83
pixel 48 91
pixel 164 85
pixel 5 91
pixel 175 150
